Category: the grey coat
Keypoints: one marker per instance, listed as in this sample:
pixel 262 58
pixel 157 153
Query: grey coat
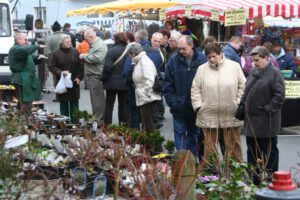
pixel 263 103
pixel 95 58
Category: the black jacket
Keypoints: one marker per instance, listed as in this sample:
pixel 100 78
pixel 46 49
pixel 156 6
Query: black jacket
pixel 263 102
pixel 112 75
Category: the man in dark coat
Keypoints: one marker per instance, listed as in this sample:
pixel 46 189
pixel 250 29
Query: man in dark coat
pixel 265 94
pixel 179 75
pixel 22 64
pixel 231 50
pixel 285 60
pixel 67 31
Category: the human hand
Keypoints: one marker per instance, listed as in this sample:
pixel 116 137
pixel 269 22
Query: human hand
pixel 77 81
pixel 42 46
pixel 82 55
pixel 65 73
pixel 42 57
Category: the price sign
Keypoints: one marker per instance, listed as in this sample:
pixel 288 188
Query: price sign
pixel 214 15
pixel 188 11
pixel 235 17
pixel 292 89
pixel 162 15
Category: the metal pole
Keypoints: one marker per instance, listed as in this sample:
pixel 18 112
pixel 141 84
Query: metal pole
pixel 40 9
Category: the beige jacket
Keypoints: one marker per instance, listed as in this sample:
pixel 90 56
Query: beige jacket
pixel 216 92
pixel 143 77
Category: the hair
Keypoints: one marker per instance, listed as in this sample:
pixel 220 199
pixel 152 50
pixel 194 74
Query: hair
pixel 120 37
pixel 165 32
pixel 213 48
pixel 175 35
pixel 18 35
pixel 261 51
pixel 67 25
pixel 64 37
pixel 235 38
pixel 157 34
pixel 107 35
pixel 130 36
pixel 209 39
pixel 141 34
pixel 90 32
pixel 188 39
pixel 135 48
pixel 38 23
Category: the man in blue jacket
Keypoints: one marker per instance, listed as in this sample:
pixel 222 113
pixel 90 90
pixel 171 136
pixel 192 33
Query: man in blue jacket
pixel 231 50
pixel 285 60
pixel 179 74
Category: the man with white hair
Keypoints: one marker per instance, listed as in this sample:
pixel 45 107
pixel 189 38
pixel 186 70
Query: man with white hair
pixel 93 66
pixel 22 64
pixel 175 35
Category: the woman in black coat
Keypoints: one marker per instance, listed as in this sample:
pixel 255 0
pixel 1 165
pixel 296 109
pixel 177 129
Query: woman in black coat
pixel 264 96
pixel 112 79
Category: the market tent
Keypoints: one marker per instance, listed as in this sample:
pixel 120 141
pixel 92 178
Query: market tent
pixel 123 5
pixel 254 8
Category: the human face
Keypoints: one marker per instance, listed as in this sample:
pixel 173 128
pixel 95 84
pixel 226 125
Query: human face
pixel 214 58
pixel 173 43
pixel 89 38
pixel 276 49
pixel 22 40
pixel 165 40
pixel 185 49
pixel 259 62
pixel 67 43
pixel 156 41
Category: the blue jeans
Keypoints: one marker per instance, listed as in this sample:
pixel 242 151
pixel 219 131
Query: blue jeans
pixel 186 134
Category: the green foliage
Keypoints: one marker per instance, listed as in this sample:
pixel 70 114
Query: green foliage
pixel 234 185
pixel 169 146
pixel 78 114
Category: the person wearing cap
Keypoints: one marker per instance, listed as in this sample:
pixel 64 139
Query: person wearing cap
pixel 285 60
pixel 265 95
pixel 52 43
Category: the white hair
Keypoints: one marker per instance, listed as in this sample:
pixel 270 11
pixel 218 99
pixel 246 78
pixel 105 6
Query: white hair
pixel 90 32
pixel 175 35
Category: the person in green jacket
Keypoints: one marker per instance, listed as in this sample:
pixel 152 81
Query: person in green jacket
pixel 22 65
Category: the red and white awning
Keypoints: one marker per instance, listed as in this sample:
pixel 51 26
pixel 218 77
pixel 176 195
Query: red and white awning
pixel 254 8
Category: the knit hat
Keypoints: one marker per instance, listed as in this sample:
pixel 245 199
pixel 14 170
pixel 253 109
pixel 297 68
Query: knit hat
pixel 276 41
pixel 56 25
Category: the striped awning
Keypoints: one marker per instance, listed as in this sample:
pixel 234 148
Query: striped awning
pixel 254 8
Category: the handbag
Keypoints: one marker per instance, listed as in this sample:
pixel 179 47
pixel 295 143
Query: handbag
pixel 240 112
pixel 157 86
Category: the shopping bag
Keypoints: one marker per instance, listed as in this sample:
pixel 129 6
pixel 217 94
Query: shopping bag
pixel 68 81
pixel 60 87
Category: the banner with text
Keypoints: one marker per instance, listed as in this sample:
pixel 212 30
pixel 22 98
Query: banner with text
pixel 235 17
pixel 292 89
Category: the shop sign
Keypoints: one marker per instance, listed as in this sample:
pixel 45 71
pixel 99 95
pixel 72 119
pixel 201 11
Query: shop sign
pixel 188 11
pixel 235 17
pixel 214 15
pixel 292 89
pixel 162 15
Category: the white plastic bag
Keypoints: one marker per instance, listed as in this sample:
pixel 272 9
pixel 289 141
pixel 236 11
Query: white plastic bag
pixel 68 81
pixel 60 87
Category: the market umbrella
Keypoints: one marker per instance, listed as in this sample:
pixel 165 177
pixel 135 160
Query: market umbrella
pixel 123 5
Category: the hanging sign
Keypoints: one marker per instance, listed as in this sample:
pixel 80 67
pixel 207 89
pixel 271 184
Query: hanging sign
pixel 235 17
pixel 214 15
pixel 188 11
pixel 292 89
pixel 162 15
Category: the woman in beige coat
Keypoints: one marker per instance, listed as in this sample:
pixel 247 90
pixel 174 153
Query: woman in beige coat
pixel 216 92
pixel 143 77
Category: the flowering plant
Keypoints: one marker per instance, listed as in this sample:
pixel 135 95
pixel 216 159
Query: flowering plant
pixel 235 184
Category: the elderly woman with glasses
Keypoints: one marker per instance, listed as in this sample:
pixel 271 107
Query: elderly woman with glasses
pixel 66 60
pixel 143 77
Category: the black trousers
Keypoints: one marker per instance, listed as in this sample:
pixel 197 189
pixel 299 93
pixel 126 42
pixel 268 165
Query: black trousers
pixel 147 116
pixel 122 106
pixel 264 149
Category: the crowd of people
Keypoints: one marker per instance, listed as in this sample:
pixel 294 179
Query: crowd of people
pixel 202 86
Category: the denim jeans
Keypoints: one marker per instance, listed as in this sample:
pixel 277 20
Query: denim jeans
pixel 186 134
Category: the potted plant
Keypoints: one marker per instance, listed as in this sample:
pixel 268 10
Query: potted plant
pixel 169 146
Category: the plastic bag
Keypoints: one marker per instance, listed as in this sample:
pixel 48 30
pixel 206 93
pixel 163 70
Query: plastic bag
pixel 60 87
pixel 68 81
